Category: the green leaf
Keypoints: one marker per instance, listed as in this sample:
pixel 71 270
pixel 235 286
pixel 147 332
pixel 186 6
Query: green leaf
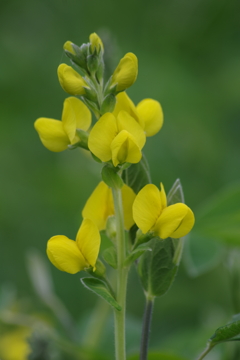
pixel 202 254
pixel 158 356
pixel 110 256
pixel 226 333
pixel 100 289
pixel 137 175
pixel 175 195
pixel 135 254
pixel 111 178
pixel 156 268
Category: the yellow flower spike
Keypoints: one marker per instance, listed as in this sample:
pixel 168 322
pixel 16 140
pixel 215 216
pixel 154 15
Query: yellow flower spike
pixel 68 46
pixel 125 149
pixel 88 241
pixel 71 81
pixel 75 115
pixel 56 135
pixel 99 205
pixel 151 213
pixel 101 137
pixel 96 43
pixel 150 111
pixel 64 254
pixel 126 72
pixel 52 134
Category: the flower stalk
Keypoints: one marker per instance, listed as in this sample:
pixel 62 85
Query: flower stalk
pixel 147 320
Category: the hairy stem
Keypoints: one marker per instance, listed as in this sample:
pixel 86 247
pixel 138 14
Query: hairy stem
pixel 206 351
pixel 147 319
pixel 122 274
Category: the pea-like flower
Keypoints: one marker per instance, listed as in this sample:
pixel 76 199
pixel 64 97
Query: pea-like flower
pixel 73 256
pixel 96 43
pixel 148 113
pixel 126 72
pixel 119 139
pixel 70 80
pixel 56 135
pixel 151 214
pixel 99 205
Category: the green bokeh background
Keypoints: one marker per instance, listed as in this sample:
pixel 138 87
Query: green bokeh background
pixel 189 60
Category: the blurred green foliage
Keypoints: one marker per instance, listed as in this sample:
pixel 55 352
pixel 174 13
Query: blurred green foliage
pixel 189 60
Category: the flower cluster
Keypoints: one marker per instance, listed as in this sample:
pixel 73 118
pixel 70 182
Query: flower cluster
pixel 116 139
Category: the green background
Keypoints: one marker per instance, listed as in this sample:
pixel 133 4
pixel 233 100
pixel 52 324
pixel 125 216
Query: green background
pixel 189 60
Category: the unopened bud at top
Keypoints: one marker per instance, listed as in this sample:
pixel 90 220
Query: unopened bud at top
pixel 68 47
pixel 126 72
pixel 96 43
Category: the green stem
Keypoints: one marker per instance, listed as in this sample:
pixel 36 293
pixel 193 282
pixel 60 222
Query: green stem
pixel 122 274
pixel 206 351
pixel 147 319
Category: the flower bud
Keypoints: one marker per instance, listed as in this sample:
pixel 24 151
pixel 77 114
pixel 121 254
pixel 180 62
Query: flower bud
pixel 126 72
pixel 71 82
pixel 68 47
pixel 96 43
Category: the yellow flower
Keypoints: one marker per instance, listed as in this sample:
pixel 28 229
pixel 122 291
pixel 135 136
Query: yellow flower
pixel 118 139
pixel 71 81
pixel 151 213
pixel 73 256
pixel 126 72
pixel 96 43
pixel 14 346
pixel 148 113
pixel 68 46
pixel 56 135
pixel 100 205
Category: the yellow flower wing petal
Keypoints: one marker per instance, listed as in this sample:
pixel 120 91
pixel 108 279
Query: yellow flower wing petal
pixel 147 207
pixel 99 206
pixel 185 226
pixel 52 134
pixel 64 254
pixel 163 196
pixel 127 122
pixel 102 135
pixel 125 149
pixel 75 115
pixel 128 197
pixel 126 72
pixel 71 81
pixel 171 219
pixel 150 111
pixel 88 241
pixel 123 102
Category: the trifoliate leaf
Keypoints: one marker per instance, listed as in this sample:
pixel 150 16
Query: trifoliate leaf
pixel 110 256
pixel 137 175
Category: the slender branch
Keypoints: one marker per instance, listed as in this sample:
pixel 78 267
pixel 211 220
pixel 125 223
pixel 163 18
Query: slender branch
pixel 147 319
pixel 206 351
pixel 122 274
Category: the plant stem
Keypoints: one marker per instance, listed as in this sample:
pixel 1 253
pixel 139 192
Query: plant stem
pixel 147 319
pixel 122 274
pixel 206 351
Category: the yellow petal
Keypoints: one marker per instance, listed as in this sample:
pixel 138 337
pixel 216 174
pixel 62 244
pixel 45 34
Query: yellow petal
pixel 65 254
pixel 123 102
pixel 102 135
pixel 68 46
pixel 128 197
pixel 96 42
pixel 14 344
pixel 163 196
pixel 75 115
pixel 185 226
pixel 71 81
pixel 88 241
pixel 99 206
pixel 126 72
pixel 125 149
pixel 171 219
pixel 52 134
pixel 127 122
pixel 151 114
pixel 147 207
